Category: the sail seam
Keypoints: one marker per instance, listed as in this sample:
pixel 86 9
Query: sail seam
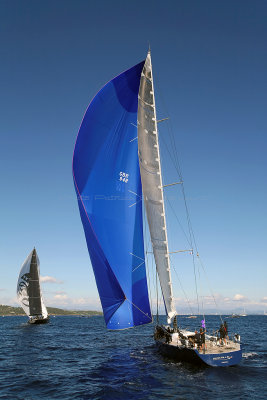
pixel 138 266
pixel 139 309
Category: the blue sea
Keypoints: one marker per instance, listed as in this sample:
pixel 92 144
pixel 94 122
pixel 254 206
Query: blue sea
pixel 77 358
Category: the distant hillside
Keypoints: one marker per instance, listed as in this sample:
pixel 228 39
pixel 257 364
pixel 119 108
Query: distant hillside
pixel 8 310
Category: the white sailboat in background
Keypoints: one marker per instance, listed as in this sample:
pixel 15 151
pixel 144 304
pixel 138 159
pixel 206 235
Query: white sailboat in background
pixel 29 291
pixel 117 157
pixel 244 313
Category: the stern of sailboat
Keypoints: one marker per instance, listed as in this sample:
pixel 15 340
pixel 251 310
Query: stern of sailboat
pixel 181 346
pixel 38 320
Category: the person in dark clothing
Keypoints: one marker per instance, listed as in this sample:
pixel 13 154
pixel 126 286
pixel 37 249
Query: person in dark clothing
pixel 197 339
pixel 226 329
pixel 202 339
pixel 222 334
pixel 168 338
pixel 175 326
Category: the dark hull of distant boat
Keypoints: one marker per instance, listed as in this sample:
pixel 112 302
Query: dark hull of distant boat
pixel 38 321
pixel 193 356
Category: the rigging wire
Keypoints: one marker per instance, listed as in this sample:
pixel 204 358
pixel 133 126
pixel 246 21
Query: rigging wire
pixel 169 203
pixel 201 291
pixel 206 275
pixel 146 260
pixel 190 229
pixel 178 170
pixel 192 240
pixel 157 297
pixel 188 302
pixel 150 265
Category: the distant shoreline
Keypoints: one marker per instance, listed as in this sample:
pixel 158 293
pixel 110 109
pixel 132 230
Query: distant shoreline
pixel 9 311
pixel 54 315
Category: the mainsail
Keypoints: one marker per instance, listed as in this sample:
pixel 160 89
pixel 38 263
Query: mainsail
pixel 150 167
pixel 108 185
pixel 28 288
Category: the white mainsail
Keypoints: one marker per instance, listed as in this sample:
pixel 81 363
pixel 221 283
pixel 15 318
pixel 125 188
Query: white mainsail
pixel 150 168
pixel 44 310
pixel 24 282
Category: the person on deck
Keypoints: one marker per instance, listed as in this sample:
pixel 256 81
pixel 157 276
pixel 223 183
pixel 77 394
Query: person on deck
pixel 226 330
pixel 168 338
pixel 222 334
pixel 197 339
pixel 202 339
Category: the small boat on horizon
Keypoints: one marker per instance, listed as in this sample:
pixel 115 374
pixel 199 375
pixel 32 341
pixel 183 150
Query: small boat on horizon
pixel 29 290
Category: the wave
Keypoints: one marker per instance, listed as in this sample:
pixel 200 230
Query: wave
pixel 249 355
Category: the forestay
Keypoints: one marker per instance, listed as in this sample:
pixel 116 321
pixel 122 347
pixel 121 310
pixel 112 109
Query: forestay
pixel 150 168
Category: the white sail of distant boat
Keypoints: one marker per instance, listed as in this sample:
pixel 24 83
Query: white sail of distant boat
pixel 192 316
pixel 29 291
pixel 117 157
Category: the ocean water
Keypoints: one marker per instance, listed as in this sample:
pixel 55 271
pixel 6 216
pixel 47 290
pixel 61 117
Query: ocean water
pixel 77 358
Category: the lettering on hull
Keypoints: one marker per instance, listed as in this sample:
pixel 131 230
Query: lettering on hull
pixel 222 358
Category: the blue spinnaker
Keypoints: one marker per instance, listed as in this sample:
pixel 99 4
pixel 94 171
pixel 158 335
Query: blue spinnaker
pixel 108 186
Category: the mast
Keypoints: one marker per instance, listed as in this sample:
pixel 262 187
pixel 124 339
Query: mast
pixel 150 168
pixel 34 290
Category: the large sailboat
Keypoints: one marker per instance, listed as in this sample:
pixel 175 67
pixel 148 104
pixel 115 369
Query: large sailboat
pixel 29 291
pixel 117 168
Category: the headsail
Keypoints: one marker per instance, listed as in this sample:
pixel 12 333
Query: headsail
pixel 108 186
pixel 149 158
pixel 28 288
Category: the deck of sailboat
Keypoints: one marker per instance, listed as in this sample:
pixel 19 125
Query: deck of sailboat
pixel 213 348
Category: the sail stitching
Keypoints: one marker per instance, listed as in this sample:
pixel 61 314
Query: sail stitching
pixel 138 201
pixel 137 256
pixel 143 261
pixel 139 309
pixel 150 172
pixel 138 266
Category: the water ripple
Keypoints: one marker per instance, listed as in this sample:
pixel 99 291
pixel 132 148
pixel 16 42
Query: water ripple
pixel 77 358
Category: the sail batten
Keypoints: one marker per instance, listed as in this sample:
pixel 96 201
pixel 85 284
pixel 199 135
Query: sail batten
pixel 150 168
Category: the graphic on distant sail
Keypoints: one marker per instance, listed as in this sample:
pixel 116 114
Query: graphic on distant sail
pixel 29 291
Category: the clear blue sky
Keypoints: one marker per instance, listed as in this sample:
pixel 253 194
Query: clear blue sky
pixel 210 63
